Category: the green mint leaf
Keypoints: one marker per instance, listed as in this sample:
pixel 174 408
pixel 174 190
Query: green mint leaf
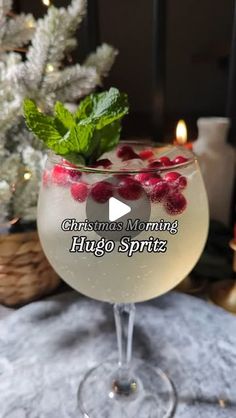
pixel 108 107
pixel 41 125
pixel 106 138
pixel 64 116
pixel 84 136
pixel 84 109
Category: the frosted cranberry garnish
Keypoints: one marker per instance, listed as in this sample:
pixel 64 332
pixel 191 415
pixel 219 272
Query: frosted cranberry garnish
pixel 180 160
pixel 165 162
pixel 146 154
pixel 172 176
pixel 152 181
pixel 175 204
pixel 102 191
pixel 155 164
pixel 130 189
pixel 143 177
pixel 79 191
pixel 62 175
pixel 125 152
pixel 159 192
pixel 182 182
pixel 105 163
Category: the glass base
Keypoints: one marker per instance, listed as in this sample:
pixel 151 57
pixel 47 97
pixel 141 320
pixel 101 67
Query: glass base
pixel 152 396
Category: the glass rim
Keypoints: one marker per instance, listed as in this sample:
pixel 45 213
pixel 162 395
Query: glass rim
pixel 59 160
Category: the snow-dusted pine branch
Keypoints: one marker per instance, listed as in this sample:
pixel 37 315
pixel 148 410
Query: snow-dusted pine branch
pixel 42 76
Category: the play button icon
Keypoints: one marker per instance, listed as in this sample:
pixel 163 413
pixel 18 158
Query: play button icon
pixel 117 209
pixel 114 214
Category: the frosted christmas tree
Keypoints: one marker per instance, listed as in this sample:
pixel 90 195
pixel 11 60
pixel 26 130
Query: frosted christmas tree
pixel 41 76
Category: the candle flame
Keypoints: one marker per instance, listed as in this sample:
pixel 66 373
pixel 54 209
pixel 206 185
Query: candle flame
pixel 181 133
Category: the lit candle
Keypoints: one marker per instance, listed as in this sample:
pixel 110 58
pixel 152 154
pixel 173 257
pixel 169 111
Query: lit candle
pixel 182 135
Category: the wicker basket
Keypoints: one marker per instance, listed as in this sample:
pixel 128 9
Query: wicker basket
pixel 25 273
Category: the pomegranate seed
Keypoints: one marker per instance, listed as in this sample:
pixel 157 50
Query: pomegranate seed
pixel 105 163
pixel 102 191
pixel 165 161
pixel 130 189
pixel 159 192
pixel 152 181
pixel 79 191
pixel 172 176
pixel 143 177
pixel 179 160
pixel 146 154
pixel 175 204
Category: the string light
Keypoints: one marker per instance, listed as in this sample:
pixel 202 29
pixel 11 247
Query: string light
pixel 46 2
pixel 49 68
pixel 222 403
pixel 27 175
pixel 31 24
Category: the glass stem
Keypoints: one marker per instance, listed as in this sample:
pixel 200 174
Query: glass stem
pixel 124 314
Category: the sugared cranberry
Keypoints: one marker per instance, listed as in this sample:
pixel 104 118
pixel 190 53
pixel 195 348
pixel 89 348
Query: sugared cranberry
pixel 152 181
pixel 130 189
pixel 73 174
pixel 125 152
pixel 165 161
pixel 179 160
pixel 79 191
pixel 175 204
pixel 60 175
pixel 105 163
pixel 143 177
pixel 159 192
pixel 154 164
pixel 102 191
pixel 172 176
pixel 182 182
pixel 146 154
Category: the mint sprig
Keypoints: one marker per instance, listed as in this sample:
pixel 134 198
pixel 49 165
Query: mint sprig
pixel 80 137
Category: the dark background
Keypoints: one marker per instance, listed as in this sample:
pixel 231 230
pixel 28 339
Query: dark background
pixel 198 42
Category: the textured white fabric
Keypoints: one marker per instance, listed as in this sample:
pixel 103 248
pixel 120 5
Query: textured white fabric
pixel 47 346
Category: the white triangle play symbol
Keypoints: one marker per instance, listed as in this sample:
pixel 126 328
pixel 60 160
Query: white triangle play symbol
pixel 117 209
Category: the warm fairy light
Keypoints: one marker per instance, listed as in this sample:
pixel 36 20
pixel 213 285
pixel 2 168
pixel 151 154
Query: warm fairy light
pixel 222 403
pixel 49 68
pixel 31 24
pixel 27 175
pixel 46 2
pixel 181 133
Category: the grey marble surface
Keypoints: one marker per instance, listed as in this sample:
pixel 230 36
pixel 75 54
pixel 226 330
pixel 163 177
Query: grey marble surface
pixel 46 347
